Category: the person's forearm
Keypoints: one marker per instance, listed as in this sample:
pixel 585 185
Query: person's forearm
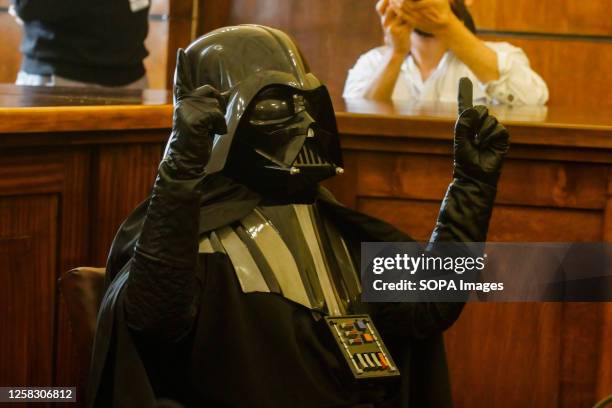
pixel 381 88
pixel 162 290
pixel 481 60
pixel 465 212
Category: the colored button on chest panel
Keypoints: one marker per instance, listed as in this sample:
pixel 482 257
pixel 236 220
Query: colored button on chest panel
pixel 352 334
pixel 382 359
pixel 361 324
pixel 362 347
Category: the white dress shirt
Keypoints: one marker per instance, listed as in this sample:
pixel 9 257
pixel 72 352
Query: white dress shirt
pixel 518 84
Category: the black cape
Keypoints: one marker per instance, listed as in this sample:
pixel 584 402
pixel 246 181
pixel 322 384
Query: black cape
pixel 121 374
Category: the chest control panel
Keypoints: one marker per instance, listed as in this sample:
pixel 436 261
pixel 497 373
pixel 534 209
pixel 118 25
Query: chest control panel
pixel 362 347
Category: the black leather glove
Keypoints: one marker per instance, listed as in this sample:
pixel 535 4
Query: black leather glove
pixel 162 292
pixel 198 116
pixel 480 145
pixel 481 142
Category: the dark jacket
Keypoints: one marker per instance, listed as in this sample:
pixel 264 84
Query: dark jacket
pixel 100 42
pixel 260 349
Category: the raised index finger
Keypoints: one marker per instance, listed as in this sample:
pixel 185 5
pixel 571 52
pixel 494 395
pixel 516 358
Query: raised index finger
pixel 183 83
pixel 465 96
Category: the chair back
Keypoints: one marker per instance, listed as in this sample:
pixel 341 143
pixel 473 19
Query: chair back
pixel 82 290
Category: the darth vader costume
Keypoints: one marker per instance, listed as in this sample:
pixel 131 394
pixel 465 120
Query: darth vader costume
pixel 218 283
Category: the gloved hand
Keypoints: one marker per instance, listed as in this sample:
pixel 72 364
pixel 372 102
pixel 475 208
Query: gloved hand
pixel 481 142
pixel 480 146
pixel 198 116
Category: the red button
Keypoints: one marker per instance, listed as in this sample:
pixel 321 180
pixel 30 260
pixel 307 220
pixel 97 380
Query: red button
pixel 383 361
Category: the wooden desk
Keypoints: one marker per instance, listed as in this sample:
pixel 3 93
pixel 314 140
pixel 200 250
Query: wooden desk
pixel 74 164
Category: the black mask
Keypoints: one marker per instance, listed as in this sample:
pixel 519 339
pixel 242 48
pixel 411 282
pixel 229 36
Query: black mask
pixel 280 148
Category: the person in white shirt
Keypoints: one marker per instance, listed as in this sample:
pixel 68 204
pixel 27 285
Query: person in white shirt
pixel 430 45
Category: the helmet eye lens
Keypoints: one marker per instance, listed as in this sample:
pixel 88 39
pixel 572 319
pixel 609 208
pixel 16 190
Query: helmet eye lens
pixel 268 111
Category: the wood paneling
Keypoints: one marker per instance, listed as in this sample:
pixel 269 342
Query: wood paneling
pixel 331 34
pixel 59 180
pixel 40 174
pixel 604 374
pixel 116 195
pixel 28 256
pixel 212 14
pixel 78 222
pixel 547 16
pixel 63 182
pixel 513 348
pixel 53 217
pixel 582 342
pixel 425 177
pixel 418 218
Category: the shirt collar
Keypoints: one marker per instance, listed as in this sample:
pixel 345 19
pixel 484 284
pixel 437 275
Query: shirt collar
pixel 411 69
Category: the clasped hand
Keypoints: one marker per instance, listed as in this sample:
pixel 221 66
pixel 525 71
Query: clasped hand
pixel 198 116
pixel 397 31
pixel 400 17
pixel 431 16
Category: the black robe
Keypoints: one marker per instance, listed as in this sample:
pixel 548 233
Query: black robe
pixel 289 362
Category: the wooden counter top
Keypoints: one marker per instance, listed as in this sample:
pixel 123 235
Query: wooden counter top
pixel 36 110
pixel 26 109
pixel 531 125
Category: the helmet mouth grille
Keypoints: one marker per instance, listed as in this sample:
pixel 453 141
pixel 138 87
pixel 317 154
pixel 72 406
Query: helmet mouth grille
pixel 309 157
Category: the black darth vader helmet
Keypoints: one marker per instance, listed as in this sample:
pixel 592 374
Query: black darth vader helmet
pixel 281 124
